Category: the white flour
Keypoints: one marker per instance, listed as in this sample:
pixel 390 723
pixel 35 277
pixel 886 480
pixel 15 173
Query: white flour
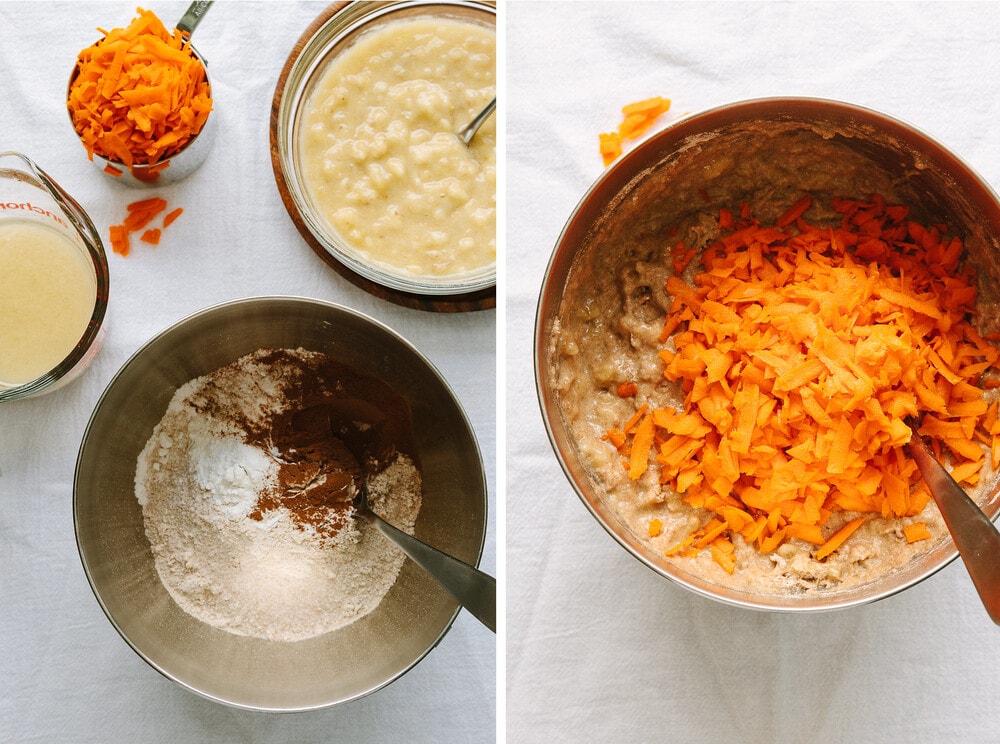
pixel 198 480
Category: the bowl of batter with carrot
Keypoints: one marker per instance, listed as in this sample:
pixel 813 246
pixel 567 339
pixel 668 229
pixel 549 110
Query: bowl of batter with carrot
pixel 742 326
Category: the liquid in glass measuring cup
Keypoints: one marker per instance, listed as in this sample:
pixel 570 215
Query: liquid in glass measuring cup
pixel 53 282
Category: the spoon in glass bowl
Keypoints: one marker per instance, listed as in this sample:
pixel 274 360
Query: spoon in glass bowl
pixel 472 127
pixel 975 536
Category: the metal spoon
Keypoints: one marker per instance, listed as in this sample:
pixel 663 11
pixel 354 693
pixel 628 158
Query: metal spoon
pixel 472 127
pixel 975 536
pixel 475 590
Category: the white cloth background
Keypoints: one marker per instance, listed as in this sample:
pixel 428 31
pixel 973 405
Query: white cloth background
pixel 599 648
pixel 65 674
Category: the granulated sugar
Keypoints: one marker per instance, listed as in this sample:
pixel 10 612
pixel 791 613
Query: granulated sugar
pixel 226 544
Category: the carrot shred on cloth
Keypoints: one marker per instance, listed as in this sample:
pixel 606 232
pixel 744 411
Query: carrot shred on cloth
pixel 151 236
pixel 139 94
pixel 803 352
pixel 637 118
pixel 171 216
pixel 139 215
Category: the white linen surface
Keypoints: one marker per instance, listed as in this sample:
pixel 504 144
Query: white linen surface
pixel 599 648
pixel 65 674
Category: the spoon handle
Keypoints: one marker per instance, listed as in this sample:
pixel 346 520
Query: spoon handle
pixel 475 590
pixel 975 536
pixel 472 127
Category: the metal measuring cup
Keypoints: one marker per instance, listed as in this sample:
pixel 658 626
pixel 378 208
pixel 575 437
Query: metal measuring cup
pixel 186 160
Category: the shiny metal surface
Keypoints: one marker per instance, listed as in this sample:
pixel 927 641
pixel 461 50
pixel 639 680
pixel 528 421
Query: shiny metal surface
pixel 247 672
pixel 470 129
pixel 940 182
pixel 975 536
pixel 475 590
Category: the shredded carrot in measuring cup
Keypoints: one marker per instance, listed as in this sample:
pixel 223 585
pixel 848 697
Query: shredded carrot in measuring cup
pixel 139 94
pixel 803 353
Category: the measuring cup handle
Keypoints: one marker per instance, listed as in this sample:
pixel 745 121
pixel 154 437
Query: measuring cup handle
pixel 192 16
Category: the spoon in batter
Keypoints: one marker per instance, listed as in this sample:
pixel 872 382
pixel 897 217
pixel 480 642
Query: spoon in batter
pixel 975 536
pixel 472 127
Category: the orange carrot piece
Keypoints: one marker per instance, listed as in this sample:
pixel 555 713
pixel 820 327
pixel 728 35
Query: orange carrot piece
pixel 803 354
pixel 794 212
pixel 151 236
pixel 627 389
pixel 171 216
pixel 640 447
pixel 119 240
pixel 139 94
pixel 837 538
pixel 611 146
pixel 916 531
pixel 637 118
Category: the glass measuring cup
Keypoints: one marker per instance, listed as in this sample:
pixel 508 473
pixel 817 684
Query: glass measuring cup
pixel 53 282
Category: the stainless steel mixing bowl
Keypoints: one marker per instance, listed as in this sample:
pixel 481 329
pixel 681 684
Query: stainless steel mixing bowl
pixel 666 178
pixel 248 672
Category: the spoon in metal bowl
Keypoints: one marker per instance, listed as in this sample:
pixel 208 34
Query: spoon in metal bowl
pixel 475 590
pixel 472 127
pixel 975 536
pixel 344 428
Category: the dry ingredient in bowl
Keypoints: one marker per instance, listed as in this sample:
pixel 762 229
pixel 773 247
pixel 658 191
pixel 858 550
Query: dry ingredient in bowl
pixel 803 354
pixel 380 159
pixel 246 494
pixel 139 94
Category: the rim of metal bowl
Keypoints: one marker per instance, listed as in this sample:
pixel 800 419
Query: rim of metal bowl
pixel 616 180
pixel 173 327
pixel 341 27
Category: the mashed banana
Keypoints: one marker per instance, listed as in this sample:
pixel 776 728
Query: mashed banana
pixel 380 158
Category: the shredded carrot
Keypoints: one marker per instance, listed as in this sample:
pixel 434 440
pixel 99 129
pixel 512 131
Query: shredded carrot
pixel 120 240
pixel 839 537
pixel 627 389
pixel 916 531
pixel 139 94
pixel 171 216
pixel 637 118
pixel 655 527
pixel 803 353
pixel 151 236
pixel 611 146
pixel 139 215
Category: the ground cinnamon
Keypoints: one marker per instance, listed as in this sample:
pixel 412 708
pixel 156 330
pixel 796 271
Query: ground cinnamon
pixel 339 426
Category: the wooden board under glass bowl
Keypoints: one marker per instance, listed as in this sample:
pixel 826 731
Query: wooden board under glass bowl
pixel 484 299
